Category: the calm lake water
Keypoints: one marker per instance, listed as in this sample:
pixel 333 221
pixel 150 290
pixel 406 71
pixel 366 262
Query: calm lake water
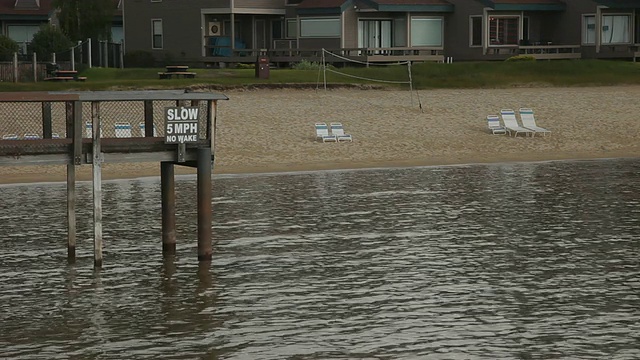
pixel 508 261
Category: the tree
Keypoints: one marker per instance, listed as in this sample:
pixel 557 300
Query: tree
pixel 83 19
pixel 7 47
pixel 49 40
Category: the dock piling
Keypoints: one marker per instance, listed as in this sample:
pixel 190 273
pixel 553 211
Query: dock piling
pixel 167 189
pixel 97 185
pixel 204 204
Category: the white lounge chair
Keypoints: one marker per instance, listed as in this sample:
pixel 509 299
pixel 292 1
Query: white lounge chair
pixel 511 123
pixel 89 130
pixel 322 133
pixel 338 131
pixel 10 137
pixel 493 122
pixel 529 121
pixel 142 130
pixel 31 136
pixel 123 130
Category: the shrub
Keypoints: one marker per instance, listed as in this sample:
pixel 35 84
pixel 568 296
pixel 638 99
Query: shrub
pixel 521 58
pixel 7 47
pixel 49 40
pixel 245 66
pixel 307 65
pixel 139 59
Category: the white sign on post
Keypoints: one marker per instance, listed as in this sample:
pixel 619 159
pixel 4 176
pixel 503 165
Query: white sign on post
pixel 181 124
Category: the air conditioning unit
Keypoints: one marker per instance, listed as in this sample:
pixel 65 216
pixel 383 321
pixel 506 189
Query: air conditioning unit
pixel 215 28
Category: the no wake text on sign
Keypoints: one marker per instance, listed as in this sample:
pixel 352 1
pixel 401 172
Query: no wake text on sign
pixel 181 124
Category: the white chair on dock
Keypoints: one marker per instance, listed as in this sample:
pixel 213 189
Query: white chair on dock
pixel 89 130
pixel 529 121
pixel 338 131
pixel 31 136
pixel 142 129
pixel 10 137
pixel 123 130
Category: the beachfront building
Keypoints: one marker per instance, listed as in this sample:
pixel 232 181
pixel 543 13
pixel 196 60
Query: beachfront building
pixel 545 29
pixel 221 32
pixel 21 19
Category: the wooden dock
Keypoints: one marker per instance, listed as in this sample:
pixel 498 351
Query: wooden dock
pixel 89 128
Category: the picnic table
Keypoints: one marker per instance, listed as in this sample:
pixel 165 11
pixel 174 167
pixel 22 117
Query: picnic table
pixel 64 75
pixel 177 71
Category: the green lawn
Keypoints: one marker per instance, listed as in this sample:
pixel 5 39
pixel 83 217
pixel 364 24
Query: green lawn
pixel 488 74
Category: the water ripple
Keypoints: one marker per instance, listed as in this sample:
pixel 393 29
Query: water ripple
pixel 472 262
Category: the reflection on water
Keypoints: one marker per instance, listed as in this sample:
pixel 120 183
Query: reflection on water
pixel 488 261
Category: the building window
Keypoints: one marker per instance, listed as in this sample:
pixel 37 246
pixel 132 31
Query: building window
pixel 292 29
pixel 426 31
pixel 589 30
pixel 504 30
pixel 320 27
pixel 156 31
pixel 616 29
pixel 22 34
pixel 475 25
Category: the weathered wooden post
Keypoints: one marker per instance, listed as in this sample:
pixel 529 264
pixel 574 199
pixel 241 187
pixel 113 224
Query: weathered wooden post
pixel 46 120
pixel 71 185
pixel 204 204
pixel 168 195
pixel 97 185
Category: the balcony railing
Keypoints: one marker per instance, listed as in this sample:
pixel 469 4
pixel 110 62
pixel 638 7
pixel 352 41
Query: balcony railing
pixel 550 52
pixel 286 51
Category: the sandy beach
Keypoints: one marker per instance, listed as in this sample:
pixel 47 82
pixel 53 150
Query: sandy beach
pixel 273 130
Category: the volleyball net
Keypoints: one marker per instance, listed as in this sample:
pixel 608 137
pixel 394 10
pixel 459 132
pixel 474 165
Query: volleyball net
pixel 324 69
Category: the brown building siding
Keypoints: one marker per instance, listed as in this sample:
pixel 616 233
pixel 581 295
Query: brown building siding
pixel 260 4
pixel 350 28
pixel 457 32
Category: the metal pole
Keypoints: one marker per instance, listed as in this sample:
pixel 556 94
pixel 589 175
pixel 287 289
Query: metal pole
pixel 15 67
pixel 204 204
pixel 53 58
pixel 168 196
pixel 122 54
pixel 35 67
pixel 89 52
pixel 100 54
pixel 97 186
pixel 73 58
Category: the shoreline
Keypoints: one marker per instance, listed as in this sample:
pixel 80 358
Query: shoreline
pixel 271 131
pixel 84 174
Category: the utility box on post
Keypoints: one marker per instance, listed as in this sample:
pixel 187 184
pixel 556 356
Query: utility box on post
pixel 262 67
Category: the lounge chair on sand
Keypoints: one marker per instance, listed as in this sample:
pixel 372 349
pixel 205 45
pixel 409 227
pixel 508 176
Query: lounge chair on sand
pixel 493 122
pixel 322 133
pixel 338 131
pixel 529 121
pixel 511 123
